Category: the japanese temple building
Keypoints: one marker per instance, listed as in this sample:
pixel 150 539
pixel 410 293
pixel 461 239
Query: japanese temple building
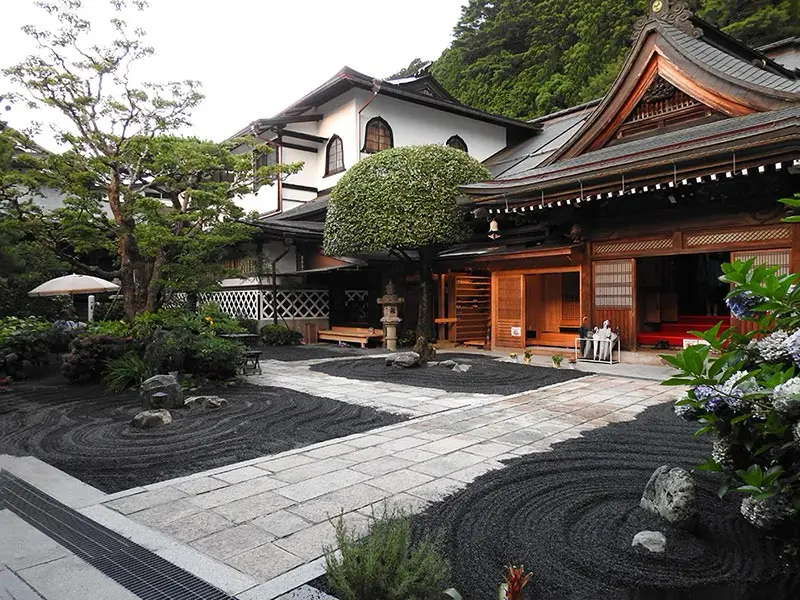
pixel 623 209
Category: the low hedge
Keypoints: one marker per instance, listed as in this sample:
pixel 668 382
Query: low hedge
pixel 278 335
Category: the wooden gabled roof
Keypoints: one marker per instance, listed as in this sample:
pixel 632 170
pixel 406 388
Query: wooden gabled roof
pixel 713 75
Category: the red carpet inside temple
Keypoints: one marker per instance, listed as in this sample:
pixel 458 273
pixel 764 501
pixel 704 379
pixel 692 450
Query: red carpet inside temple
pixel 675 333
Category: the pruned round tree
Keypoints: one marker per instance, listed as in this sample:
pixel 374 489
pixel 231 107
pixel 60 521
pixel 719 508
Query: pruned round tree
pixel 402 199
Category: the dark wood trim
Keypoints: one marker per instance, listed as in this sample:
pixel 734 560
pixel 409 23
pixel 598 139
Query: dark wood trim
pixel 366 134
pixel 300 188
pixel 303 136
pixel 298 147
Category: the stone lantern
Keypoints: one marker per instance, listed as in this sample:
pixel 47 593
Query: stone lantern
pixel 390 302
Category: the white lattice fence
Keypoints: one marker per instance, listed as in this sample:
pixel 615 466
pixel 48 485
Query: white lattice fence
pixel 236 303
pixel 297 304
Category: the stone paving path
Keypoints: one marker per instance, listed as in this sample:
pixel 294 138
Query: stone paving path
pixel 391 397
pixel 268 518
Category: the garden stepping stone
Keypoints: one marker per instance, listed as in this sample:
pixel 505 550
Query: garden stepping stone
pixel 152 418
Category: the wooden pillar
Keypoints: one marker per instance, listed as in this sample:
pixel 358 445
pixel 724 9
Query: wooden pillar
pixel 586 297
pixel 794 256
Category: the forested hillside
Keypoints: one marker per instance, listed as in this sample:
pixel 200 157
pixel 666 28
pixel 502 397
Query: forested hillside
pixel 524 58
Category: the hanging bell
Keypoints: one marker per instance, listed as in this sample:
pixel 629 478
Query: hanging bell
pixel 494 230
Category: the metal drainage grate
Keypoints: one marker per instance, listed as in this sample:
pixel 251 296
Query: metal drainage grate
pixel 143 573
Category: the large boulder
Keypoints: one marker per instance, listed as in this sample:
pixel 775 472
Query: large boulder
pixel 405 360
pixel 152 418
pixel 205 402
pixel 170 394
pixel 654 541
pixel 768 513
pixel 671 495
pixel 425 350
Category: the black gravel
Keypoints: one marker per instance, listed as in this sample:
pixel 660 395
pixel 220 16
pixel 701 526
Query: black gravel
pixel 314 352
pixel 86 432
pixel 569 517
pixel 485 376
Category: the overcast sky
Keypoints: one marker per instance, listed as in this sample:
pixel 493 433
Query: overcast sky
pixel 255 57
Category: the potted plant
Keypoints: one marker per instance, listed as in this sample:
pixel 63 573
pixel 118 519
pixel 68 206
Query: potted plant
pixel 513 356
pixel 557 359
pixel 527 356
pixel 573 362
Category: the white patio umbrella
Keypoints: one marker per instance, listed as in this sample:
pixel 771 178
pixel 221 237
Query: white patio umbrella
pixel 75 284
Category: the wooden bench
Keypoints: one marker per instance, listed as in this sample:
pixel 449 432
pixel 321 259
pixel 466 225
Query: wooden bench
pixel 357 335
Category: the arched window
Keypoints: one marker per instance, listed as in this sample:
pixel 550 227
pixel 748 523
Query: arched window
pixel 334 159
pixel 455 141
pixel 379 136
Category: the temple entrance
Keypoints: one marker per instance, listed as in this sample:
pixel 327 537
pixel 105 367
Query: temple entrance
pixel 677 294
pixel 552 308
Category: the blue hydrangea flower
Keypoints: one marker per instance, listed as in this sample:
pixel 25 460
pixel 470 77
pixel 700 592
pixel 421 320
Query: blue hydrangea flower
pixel 793 346
pixel 742 303
pixel 686 412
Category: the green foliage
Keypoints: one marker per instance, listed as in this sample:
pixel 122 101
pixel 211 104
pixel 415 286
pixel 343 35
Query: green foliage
pixel 89 355
pixel 210 319
pixel 214 357
pixel 118 328
pixel 24 261
pixel 407 339
pixel 171 198
pixel 127 371
pixel 744 389
pixel 278 335
pixel 524 59
pixel 385 564
pixel 25 343
pixel 168 350
pixel 400 198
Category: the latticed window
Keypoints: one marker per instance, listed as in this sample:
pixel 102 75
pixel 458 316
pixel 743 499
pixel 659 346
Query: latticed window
pixel 455 141
pixel 379 136
pixel 613 284
pixel 335 156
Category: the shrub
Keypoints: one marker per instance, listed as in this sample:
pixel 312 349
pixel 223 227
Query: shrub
pixel 26 343
pixel 168 350
pixel 89 354
pixel 746 395
pixel 407 339
pixel 214 357
pixel 118 328
pixel 249 325
pixel 278 335
pixel 210 319
pixel 385 564
pixel 127 371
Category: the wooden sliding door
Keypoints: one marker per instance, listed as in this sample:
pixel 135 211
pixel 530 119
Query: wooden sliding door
pixel 614 289
pixel 508 315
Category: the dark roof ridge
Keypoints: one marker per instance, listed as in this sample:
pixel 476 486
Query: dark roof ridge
pixel 566 111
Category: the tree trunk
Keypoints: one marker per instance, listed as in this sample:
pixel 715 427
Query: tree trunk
pixel 136 270
pixel 425 316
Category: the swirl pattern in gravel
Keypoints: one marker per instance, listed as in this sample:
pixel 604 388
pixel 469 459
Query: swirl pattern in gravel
pixel 314 352
pixel 485 376
pixel 569 516
pixel 86 431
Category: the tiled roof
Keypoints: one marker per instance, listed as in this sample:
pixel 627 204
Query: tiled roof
pixel 622 155
pixel 729 65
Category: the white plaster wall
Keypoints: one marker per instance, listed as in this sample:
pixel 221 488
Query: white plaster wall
pixel 413 124
pixel 338 119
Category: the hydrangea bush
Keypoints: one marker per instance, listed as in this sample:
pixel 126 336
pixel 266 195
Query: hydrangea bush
pixel 744 392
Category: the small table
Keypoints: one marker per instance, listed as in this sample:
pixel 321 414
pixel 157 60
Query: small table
pixel 250 363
